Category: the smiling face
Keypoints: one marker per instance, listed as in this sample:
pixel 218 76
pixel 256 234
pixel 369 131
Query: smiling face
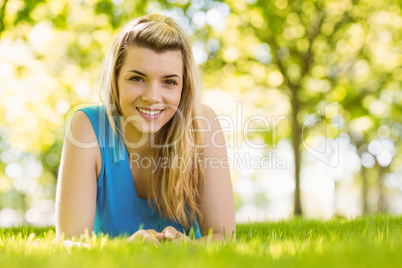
pixel 150 86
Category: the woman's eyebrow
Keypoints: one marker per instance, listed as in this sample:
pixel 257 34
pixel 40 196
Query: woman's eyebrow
pixel 166 76
pixel 137 72
pixel 171 75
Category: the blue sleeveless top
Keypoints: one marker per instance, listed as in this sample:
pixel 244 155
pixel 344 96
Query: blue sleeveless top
pixel 119 210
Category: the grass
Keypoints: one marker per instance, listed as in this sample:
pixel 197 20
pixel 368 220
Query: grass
pixel 374 241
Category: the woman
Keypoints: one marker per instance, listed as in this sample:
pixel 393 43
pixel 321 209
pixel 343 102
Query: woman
pixel 151 162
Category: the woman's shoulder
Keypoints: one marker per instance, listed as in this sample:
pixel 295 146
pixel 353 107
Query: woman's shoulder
pixel 93 111
pixel 81 132
pixel 82 137
pixel 208 111
pixel 212 129
pixel 209 119
pixel 94 117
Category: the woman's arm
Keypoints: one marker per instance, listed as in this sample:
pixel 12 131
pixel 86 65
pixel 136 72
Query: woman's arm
pixel 76 186
pixel 217 202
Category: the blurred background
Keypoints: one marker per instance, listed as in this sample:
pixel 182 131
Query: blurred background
pixel 308 93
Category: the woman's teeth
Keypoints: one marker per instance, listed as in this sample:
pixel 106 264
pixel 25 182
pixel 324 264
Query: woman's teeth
pixel 149 112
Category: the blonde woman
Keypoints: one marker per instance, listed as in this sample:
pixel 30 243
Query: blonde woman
pixel 151 162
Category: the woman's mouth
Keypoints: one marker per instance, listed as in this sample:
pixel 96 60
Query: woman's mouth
pixel 149 114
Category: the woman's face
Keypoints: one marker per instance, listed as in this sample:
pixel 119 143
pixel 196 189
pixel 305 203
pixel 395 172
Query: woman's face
pixel 150 86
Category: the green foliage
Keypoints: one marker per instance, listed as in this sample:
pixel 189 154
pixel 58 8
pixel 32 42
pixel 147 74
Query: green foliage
pixel 24 13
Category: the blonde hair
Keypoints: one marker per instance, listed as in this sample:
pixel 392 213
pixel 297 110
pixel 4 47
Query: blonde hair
pixel 176 191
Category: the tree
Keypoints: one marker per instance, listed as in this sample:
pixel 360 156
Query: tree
pixel 320 48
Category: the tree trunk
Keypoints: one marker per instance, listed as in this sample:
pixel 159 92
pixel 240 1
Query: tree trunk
pixel 363 174
pixel 382 206
pixel 336 190
pixel 296 139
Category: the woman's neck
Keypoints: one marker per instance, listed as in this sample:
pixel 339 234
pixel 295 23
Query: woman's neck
pixel 137 142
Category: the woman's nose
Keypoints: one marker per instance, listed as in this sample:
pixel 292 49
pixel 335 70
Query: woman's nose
pixel 152 93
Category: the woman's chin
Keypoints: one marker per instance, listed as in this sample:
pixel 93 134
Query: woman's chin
pixel 147 129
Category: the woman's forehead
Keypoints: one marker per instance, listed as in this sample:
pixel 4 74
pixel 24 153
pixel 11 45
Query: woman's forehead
pixel 150 61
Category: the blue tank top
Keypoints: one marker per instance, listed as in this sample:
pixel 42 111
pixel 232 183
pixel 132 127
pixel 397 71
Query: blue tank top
pixel 119 210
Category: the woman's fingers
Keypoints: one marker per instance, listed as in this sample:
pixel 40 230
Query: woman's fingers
pixel 171 234
pixel 137 235
pixel 159 236
pixel 144 235
pixel 151 238
pixel 182 237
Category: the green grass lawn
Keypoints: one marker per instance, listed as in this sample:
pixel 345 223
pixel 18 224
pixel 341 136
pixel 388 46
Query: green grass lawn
pixel 374 241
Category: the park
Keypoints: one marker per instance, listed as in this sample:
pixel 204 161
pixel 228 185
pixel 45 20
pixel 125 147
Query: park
pixel 306 97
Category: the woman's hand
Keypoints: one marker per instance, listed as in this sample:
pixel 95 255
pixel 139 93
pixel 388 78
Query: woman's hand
pixel 148 236
pixel 171 234
pixel 168 234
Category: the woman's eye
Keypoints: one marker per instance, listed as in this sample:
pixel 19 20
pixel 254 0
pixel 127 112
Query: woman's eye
pixel 137 79
pixel 171 82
